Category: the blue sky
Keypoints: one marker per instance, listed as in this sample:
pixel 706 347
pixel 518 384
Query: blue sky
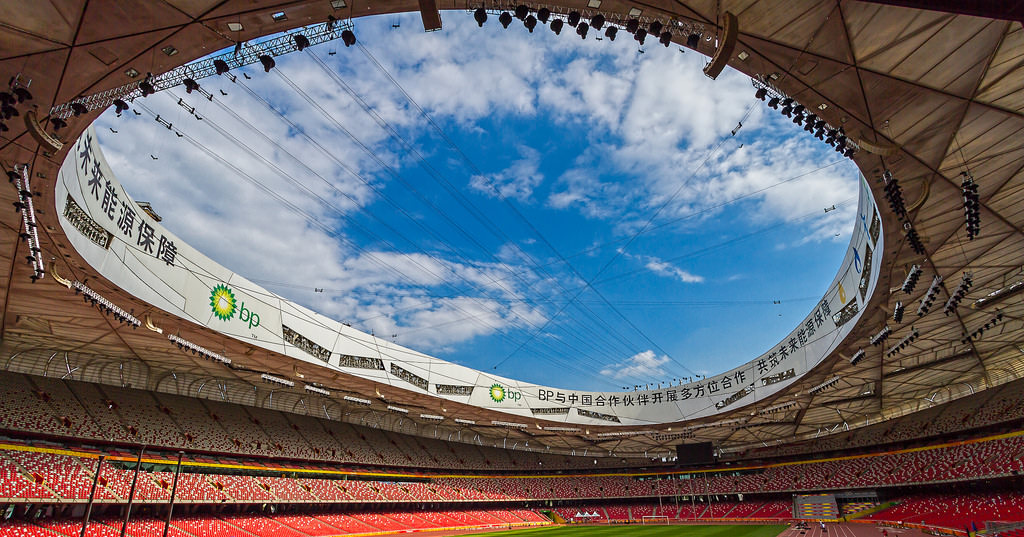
pixel 586 220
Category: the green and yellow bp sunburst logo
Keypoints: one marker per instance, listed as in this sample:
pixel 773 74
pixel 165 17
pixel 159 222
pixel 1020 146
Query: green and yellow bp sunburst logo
pixel 497 393
pixel 222 300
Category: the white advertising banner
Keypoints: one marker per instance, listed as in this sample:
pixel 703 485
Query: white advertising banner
pixel 139 255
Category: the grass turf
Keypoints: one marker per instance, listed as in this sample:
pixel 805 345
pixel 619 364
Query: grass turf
pixel 652 530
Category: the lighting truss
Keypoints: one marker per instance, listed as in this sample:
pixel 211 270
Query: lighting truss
pixel 105 305
pixel 966 281
pixel 277 380
pixel 911 280
pixel 822 130
pixel 183 343
pixel 929 296
pixel 248 54
pixel 29 232
pixel 684 27
pixel 972 205
pixel 881 336
pixel 824 386
pixel 907 340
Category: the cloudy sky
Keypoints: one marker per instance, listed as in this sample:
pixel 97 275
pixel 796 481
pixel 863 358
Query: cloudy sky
pixel 569 212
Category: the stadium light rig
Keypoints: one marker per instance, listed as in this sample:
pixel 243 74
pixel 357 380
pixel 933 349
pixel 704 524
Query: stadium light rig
pixel 277 380
pixel 433 417
pixel 966 281
pixel 210 66
pixel 184 344
pixel 510 424
pixel 881 336
pixel 777 408
pixel 357 400
pixel 976 334
pixel 834 137
pixel 929 296
pixel 29 232
pixel 897 312
pixel 464 421
pixel 914 239
pixel 105 305
pixel 894 195
pixel 972 205
pixel 857 357
pixel 317 390
pixel 904 343
pixel 911 280
pixel 583 22
pixel 823 386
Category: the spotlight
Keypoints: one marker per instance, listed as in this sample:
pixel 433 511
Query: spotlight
pixel 761 93
pixel 597 21
pixel 22 94
pixel 556 26
pixel 120 106
pixel 582 29
pixel 640 35
pixel 521 12
pixel 530 23
pixel 58 123
pixel 809 124
pixel 666 38
pixel 480 15
pixel 798 118
pixel 147 88
pixel 505 19
pixel 831 138
pixel 543 15
pixel 774 103
pixel 268 62
pixel 574 18
pixel 610 33
pixel 221 66
pixel 632 25
pixel 348 37
pixel 301 41
pixel 78 109
pixel 693 40
pixel 787 107
pixel 654 28
pixel 190 86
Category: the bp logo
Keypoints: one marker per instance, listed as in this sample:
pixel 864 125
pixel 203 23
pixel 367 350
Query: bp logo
pixel 224 305
pixel 222 300
pixel 498 394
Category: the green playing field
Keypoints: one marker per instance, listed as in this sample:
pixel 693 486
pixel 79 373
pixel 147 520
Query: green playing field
pixel 651 530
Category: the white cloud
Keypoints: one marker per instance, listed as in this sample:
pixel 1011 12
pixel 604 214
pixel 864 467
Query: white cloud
pixel 665 268
pixel 641 366
pixel 517 181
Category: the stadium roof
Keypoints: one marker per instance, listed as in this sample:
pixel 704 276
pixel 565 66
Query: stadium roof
pixel 926 94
